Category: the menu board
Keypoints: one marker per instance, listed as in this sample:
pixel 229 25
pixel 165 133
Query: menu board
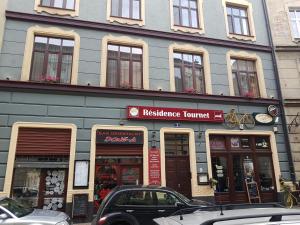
pixel 81 177
pixel 80 205
pixel 252 191
pixel 154 167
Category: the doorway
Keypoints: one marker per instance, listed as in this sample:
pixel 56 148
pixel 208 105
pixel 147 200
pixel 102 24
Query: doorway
pixel 178 174
pixel 235 158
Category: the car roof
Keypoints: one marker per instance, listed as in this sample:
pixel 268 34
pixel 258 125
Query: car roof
pixel 142 187
pixel 210 217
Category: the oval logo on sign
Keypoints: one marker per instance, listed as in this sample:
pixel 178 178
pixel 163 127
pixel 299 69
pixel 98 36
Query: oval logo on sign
pixel 264 118
pixel 134 111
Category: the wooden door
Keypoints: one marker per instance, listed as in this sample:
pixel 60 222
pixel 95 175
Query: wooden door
pixel 178 174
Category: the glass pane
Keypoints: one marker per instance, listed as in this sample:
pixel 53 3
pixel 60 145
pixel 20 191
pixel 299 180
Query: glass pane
pixel 125 52
pixel 188 59
pixel 40 43
pixel 125 8
pixel 238 173
pixel 243 12
pixel 124 74
pixel 136 9
pixel 199 79
pixel 115 8
pixel 237 26
pixel 193 4
pixel 178 79
pixel 112 73
pixel 177 57
pixel 235 85
pixel 251 66
pixel 243 84
pixel 137 75
pixel 185 17
pixel 52 67
pixel 58 3
pixel 164 198
pixel 292 14
pixel 242 65
pixel 188 79
pixel 217 142
pixel 68 46
pixel 245 27
pixel 297 14
pixel 70 4
pixel 295 29
pixel 235 12
pixel 229 10
pixel 113 48
pixel 230 25
pixel 176 2
pixel 140 198
pixel 137 54
pixel 198 59
pixel 219 169
pixel 26 183
pixel 46 2
pixel 185 3
pixel 54 44
pixel 176 16
pixel 233 64
pixel 37 66
pixel 265 173
pixel 253 88
pixel 66 69
pixel 130 175
pixel 194 18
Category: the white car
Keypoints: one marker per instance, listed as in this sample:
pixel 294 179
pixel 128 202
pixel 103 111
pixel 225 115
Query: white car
pixel 13 213
pixel 244 216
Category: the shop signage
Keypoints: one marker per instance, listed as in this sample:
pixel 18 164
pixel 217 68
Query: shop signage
pixel 177 114
pixel 119 137
pixel 81 178
pixel 154 167
pixel 273 110
pixel 263 119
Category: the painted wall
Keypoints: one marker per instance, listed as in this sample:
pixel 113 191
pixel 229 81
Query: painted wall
pixel 3 4
pixel 86 111
pixel 158 18
pixel 11 60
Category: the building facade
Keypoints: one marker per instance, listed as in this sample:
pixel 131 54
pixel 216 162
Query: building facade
pixel 101 93
pixel 284 21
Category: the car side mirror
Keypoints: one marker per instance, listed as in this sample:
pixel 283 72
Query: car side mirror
pixel 3 216
pixel 179 204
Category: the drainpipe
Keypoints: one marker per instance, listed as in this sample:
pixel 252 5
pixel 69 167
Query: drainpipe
pixel 278 85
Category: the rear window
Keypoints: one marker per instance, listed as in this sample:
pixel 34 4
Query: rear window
pixel 135 198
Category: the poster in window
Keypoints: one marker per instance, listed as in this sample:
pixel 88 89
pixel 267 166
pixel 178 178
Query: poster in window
pixel 81 177
pixel 235 142
pixel 217 142
pixel 261 143
pixel 245 142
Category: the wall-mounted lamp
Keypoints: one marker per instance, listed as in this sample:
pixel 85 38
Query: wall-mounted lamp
pixel 153 141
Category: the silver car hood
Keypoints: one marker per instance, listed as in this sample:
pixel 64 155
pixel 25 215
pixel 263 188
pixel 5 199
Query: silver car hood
pixel 47 216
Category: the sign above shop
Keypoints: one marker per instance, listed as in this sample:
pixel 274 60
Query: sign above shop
pixel 119 137
pixel 263 119
pixel 273 110
pixel 177 114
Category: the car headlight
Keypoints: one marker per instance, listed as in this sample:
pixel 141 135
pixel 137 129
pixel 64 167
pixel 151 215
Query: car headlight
pixel 63 223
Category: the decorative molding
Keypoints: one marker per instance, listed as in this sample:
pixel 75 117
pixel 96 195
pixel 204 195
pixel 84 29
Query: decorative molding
pixel 57 11
pixel 259 70
pixel 49 31
pixel 124 40
pixel 128 21
pixel 190 49
pixel 135 31
pixel 245 4
pixel 192 30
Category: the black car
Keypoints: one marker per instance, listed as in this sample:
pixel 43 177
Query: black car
pixel 139 205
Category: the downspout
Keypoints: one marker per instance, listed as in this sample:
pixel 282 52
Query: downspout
pixel 278 85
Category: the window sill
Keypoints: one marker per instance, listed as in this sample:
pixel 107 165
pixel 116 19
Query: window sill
pixel 242 37
pixel 56 11
pixel 127 21
pixel 187 29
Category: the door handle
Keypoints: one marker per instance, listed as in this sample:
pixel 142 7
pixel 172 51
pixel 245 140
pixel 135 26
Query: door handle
pixel 161 210
pixel 178 185
pixel 228 182
pixel 129 210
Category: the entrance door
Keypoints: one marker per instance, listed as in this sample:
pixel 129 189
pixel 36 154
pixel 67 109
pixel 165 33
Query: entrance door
pixel 178 175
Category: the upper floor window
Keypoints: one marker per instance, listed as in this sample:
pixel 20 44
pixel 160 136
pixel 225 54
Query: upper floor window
pixel 295 22
pixel 52 59
pixel 62 4
pixel 237 20
pixel 244 76
pixel 126 9
pixel 189 73
pixel 124 66
pixel 185 13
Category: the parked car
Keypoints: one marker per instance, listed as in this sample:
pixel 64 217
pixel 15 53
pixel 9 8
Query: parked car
pixel 246 215
pixel 12 212
pixel 139 205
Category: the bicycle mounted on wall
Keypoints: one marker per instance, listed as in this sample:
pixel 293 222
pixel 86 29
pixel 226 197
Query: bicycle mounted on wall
pixel 232 120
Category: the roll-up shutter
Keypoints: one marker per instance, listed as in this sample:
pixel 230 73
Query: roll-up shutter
pixel 119 150
pixel 43 142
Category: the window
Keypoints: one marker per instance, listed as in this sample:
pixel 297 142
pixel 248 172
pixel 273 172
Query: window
pixel 295 22
pixel 188 72
pixel 52 60
pixel 124 67
pixel 62 4
pixel 238 20
pixel 244 77
pixel 135 198
pixel 177 144
pixel 185 13
pixel 166 199
pixel 126 8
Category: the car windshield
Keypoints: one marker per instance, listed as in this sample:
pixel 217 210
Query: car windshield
pixel 15 207
pixel 182 197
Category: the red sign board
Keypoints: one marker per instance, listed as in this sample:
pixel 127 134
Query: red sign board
pixel 177 114
pixel 119 137
pixel 154 167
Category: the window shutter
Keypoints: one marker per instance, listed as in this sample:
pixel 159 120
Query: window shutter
pixel 43 142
